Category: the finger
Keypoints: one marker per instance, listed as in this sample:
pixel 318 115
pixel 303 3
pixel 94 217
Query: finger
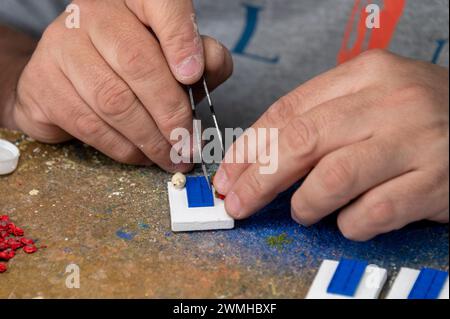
pixel 347 173
pixel 331 85
pixel 26 119
pixel 219 67
pixel 175 26
pixel 441 217
pixel 135 55
pixel 302 143
pixel 392 205
pixel 72 114
pixel 114 102
pixel 219 63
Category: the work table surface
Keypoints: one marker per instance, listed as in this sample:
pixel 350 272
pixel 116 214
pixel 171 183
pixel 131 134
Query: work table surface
pixel 113 222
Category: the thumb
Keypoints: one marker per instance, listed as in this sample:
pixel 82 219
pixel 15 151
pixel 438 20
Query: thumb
pixel 175 26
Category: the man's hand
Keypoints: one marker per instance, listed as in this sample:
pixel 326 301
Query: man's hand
pixel 116 83
pixel 371 136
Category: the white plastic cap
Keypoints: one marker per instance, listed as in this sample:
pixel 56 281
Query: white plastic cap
pixel 9 157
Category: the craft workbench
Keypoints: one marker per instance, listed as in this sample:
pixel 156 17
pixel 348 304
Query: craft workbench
pixel 113 222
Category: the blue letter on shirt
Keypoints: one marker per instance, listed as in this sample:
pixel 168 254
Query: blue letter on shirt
pixel 249 31
pixel 437 54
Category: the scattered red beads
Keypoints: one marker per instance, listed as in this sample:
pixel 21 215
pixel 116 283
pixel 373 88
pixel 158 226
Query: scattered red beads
pixel 11 239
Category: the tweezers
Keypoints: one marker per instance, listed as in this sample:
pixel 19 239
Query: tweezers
pixel 197 129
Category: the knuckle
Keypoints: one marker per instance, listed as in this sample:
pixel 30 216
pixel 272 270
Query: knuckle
pixel 132 58
pixel 157 148
pixel 372 60
pixel 127 154
pixel 252 186
pixel 375 56
pixel 89 126
pixel 52 32
pixel 180 42
pixel 175 116
pixel 441 133
pixel 281 112
pixel 304 138
pixel 114 98
pixel 87 5
pixel 336 176
pixel 84 2
pixel 380 213
pixel 414 93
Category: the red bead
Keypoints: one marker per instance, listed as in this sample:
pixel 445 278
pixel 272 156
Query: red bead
pixel 30 249
pixel 3 245
pixel 3 268
pixel 14 243
pixel 27 241
pixel 7 255
pixel 18 232
pixel 219 196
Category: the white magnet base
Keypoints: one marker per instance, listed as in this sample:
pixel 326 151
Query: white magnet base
pixel 369 287
pixel 184 218
pixel 405 281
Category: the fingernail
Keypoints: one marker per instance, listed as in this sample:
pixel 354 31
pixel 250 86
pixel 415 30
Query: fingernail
pixel 190 67
pixel 233 205
pixel 220 181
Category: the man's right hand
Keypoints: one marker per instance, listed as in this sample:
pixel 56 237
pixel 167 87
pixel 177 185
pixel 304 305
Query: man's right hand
pixel 116 83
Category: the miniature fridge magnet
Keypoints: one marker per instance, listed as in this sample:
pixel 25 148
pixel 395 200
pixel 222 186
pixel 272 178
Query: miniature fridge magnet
pixel 195 208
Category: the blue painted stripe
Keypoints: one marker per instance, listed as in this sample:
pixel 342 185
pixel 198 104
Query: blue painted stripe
pixel 347 277
pixel 423 282
pixel 199 194
pixel 437 285
pixel 355 278
pixel 428 284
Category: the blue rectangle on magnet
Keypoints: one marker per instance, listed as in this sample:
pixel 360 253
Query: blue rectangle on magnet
pixel 347 277
pixel 341 276
pixel 199 192
pixel 428 284
pixel 437 285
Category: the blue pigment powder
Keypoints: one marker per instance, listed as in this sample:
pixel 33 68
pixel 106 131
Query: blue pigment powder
pixel 423 244
pixel 125 235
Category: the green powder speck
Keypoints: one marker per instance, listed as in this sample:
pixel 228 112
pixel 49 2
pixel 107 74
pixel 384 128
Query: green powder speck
pixel 278 242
